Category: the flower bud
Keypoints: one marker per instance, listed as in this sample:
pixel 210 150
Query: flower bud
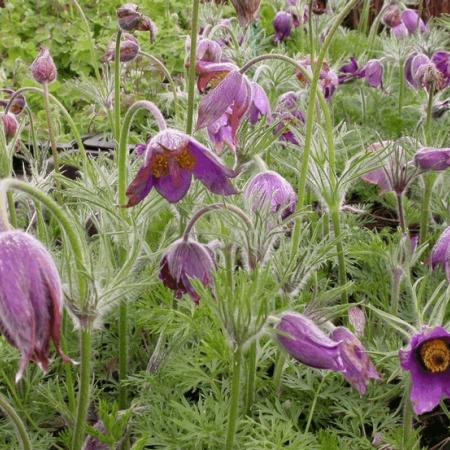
pixel 10 124
pixel 129 49
pixel 128 16
pixel 43 67
pixel 30 299
pixel 246 10
pixel 430 158
pixel 441 252
pixel 282 24
pixel 184 260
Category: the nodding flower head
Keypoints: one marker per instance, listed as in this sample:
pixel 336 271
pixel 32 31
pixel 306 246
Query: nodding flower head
pixel 427 359
pixel 328 79
pixel 171 158
pixel 208 51
pixel 246 10
pixel 131 19
pixel 432 74
pixel 269 190
pixel 10 124
pixel 259 104
pixel 403 23
pixel 282 24
pixel 441 252
pixel 212 74
pixel 392 16
pixel 183 260
pixel 129 49
pixel 30 299
pixel 431 158
pixel 373 72
pixel 43 68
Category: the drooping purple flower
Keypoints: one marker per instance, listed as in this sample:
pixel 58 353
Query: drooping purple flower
pixel 129 49
pixel 392 16
pixel 270 190
pixel 282 24
pixel 413 22
pixel 208 50
pixel 183 260
pixel 289 115
pixel 441 59
pixel 211 74
pixel 220 133
pixel 30 299
pixel 246 10
pixel 430 158
pixel 131 19
pixel 307 343
pixel 43 68
pixel 358 368
pixel 373 72
pixel 259 104
pixel 171 158
pixel 349 69
pixel 328 79
pixel 441 252
pixel 427 358
pixel 378 176
pixel 10 124
pixel 234 93
pixel 403 23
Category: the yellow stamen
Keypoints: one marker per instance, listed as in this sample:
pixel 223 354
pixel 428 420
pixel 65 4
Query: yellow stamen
pixel 185 160
pixel 160 162
pixel 435 355
pixel 160 165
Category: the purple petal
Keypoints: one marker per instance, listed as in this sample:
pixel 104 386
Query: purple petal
pixel 379 178
pixel 282 23
pixel 440 250
pixel 140 186
pixel 373 72
pixel 174 186
pixel 430 158
pixel 400 31
pixel 351 67
pixel 413 22
pixel 260 104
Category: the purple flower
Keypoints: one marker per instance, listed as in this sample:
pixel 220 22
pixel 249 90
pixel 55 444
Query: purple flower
pixel 10 124
pixel 246 10
pixel 400 31
pixel 130 19
pixel 270 190
pixel 441 252
pixel 129 49
pixel 307 343
pixel 427 358
pixel 373 73
pixel 430 158
pixel 30 299
pixel 171 158
pixel 43 68
pixel 358 368
pixel 220 133
pixel 328 79
pixel 351 68
pixel 288 114
pixel 259 105
pixel 404 23
pixel 392 16
pixel 421 71
pixel 441 60
pixel 234 94
pixel 211 74
pixel 209 50
pixel 183 260
pixel 282 24
pixel 413 22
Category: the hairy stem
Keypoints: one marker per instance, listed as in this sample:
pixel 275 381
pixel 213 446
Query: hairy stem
pixel 401 213
pixel 21 432
pixel 313 405
pixel 51 134
pixel 251 375
pixel 117 87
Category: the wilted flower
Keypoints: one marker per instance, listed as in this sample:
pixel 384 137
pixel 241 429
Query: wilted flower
pixel 10 124
pixel 358 368
pixel 183 260
pixel 246 10
pixel 441 252
pixel 282 24
pixel 271 191
pixel 427 358
pixel 30 299
pixel 129 49
pixel 171 158
pixel 307 343
pixel 233 94
pixel 211 74
pixel 431 158
pixel 288 113
pixel 259 104
pixel 130 19
pixel 43 68
pixel 328 79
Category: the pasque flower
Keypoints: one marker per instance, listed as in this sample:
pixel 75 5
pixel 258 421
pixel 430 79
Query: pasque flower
pixel 259 104
pixel 183 260
pixel 30 299
pixel 18 103
pixel 270 190
pixel 430 73
pixel 220 133
pixel 43 68
pixel 129 49
pixel 10 124
pixel 431 158
pixel 171 158
pixel 246 10
pixel 131 19
pixel 373 72
pixel 289 115
pixel 282 24
pixel 328 79
pixel 427 358
pixel 441 252
pixel 211 74
pixel 403 23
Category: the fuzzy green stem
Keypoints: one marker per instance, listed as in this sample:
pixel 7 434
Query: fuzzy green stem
pixel 191 73
pixel 251 375
pixel 401 89
pixel 278 372
pixel 407 419
pixel 12 210
pixel 83 393
pixel 313 405
pixel 117 86
pixel 401 213
pixel 310 29
pixel 395 290
pixel 21 432
pixel 50 133
pixel 235 397
pixel 123 353
pixel 335 218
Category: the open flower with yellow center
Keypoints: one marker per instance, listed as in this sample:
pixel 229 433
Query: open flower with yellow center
pixel 427 358
pixel 171 158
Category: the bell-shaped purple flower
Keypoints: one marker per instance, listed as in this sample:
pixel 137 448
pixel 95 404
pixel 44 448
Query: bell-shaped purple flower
pixel 211 74
pixel 373 72
pixel 441 252
pixel 307 343
pixel 392 16
pixel 129 49
pixel 208 50
pixel 43 68
pixel 430 158
pixel 271 191
pixel 282 24
pixel 246 10
pixel 259 104
pixel 441 60
pixel 421 71
pixel 183 260
pixel 131 19
pixel 427 358
pixel 289 114
pixel 30 299
pixel 10 124
pixel 171 158
pixel 234 93
pixel 328 79
pixel 220 133
pixel 413 22
pixel 358 368
pixel 378 176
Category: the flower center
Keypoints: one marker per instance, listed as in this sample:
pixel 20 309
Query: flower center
pixel 435 355
pixel 161 161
